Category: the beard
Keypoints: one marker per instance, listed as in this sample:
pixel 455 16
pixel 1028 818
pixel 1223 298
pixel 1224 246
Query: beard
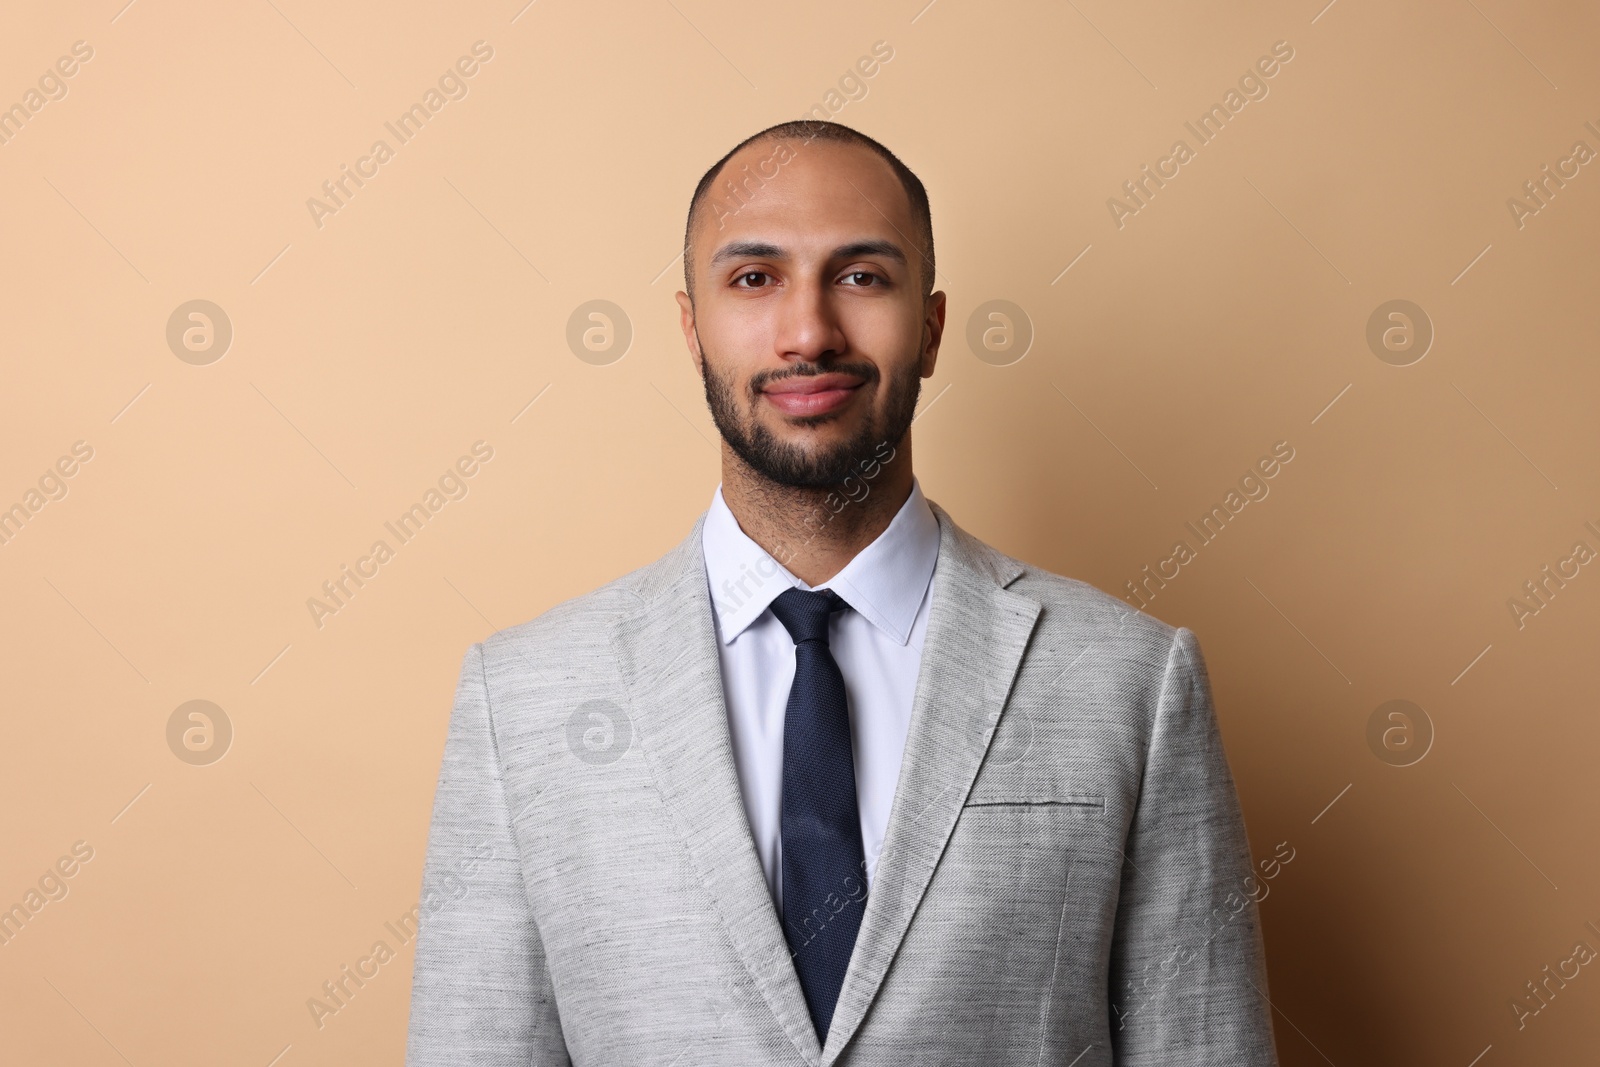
pixel 793 465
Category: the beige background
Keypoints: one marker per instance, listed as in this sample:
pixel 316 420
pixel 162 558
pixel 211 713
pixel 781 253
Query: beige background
pixel 1228 314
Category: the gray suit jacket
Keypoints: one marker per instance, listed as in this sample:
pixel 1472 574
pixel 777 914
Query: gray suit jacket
pixel 1065 878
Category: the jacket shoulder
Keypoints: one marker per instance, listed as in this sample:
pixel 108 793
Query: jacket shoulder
pixel 1072 602
pixel 1096 647
pixel 572 622
pixel 1068 603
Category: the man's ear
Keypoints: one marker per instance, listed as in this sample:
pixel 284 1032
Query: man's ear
pixel 690 337
pixel 932 333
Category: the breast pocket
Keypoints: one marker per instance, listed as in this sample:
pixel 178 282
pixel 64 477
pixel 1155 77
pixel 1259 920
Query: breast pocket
pixel 1022 869
pixel 1024 831
pixel 1025 823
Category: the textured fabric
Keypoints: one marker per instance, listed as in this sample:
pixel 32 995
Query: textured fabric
pixel 824 868
pixel 878 647
pixel 1062 882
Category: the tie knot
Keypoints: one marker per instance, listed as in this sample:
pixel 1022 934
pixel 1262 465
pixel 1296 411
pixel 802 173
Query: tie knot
pixel 804 613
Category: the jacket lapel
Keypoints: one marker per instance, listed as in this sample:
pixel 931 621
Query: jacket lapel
pixel 667 652
pixel 977 631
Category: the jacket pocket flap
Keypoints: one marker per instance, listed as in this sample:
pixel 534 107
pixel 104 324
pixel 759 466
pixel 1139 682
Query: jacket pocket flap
pixel 1088 803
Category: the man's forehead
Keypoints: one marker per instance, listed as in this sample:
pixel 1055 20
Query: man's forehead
pixel 800 195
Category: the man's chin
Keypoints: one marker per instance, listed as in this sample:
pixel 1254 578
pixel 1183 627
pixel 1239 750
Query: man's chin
pixel 800 461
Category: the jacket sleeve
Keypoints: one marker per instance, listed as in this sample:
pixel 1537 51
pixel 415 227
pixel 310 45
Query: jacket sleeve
pixel 481 995
pixel 1187 975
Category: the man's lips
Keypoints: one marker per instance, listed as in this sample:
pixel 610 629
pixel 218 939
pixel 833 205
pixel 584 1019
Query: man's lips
pixel 813 394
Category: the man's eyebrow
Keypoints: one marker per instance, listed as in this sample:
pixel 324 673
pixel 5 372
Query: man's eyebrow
pixel 741 249
pixel 765 250
pixel 886 249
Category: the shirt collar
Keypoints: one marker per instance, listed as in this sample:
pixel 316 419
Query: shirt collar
pixel 885 582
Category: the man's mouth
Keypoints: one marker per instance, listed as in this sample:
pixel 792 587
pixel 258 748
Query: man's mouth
pixel 815 394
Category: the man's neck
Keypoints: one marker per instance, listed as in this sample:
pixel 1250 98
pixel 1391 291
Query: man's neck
pixel 816 532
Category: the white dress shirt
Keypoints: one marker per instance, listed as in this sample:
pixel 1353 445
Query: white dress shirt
pixel 877 644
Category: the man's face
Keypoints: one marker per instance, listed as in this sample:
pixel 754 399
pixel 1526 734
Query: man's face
pixel 808 323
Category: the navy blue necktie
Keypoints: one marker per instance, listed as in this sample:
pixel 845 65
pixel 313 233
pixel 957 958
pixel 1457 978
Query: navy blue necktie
pixel 824 866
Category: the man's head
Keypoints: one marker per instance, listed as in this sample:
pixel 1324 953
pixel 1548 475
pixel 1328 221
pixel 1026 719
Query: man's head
pixel 810 311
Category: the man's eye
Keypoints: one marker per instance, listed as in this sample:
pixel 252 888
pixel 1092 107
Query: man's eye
pixel 751 274
pixel 856 275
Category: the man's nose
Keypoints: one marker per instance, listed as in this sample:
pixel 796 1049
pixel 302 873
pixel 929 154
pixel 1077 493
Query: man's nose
pixel 809 329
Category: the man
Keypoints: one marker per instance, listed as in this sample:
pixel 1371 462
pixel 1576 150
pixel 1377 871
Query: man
pixel 833 782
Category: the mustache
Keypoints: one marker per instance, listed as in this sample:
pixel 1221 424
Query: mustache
pixel 865 371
